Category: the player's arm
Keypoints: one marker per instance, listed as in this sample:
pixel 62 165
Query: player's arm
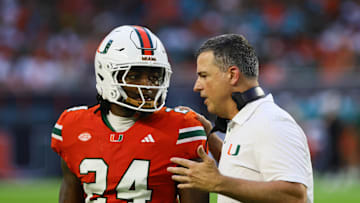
pixel 71 190
pixel 213 141
pixel 215 145
pixel 193 195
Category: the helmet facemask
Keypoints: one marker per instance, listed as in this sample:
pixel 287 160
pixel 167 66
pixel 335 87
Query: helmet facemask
pixel 141 88
pixel 125 52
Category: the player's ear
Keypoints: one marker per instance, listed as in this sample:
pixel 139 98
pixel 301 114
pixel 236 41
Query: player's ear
pixel 234 74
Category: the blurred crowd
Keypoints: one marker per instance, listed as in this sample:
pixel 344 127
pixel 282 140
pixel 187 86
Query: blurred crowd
pixel 307 46
pixel 49 45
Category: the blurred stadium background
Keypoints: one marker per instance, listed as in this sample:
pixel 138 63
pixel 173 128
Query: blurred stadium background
pixel 309 54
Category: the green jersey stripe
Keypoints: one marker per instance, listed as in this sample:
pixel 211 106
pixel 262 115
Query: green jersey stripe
pixel 56 131
pixel 190 139
pixel 195 133
pixel 184 130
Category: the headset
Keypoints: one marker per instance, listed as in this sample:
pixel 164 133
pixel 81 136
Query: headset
pixel 241 99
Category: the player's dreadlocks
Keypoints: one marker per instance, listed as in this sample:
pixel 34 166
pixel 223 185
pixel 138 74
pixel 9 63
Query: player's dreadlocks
pixel 104 105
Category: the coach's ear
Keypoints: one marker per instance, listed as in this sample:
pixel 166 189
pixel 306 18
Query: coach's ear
pixel 234 74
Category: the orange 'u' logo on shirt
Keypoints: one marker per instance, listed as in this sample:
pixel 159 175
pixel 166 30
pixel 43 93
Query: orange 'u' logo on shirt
pixel 116 137
pixel 236 151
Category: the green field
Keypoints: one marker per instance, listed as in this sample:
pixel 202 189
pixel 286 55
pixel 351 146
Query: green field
pixel 39 191
pixel 46 191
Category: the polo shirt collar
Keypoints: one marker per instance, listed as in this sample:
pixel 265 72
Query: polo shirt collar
pixel 245 113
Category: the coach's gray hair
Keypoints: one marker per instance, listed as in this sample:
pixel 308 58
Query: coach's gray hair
pixel 232 50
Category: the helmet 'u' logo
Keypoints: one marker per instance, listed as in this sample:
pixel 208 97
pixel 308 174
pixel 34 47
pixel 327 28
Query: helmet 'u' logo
pixel 106 49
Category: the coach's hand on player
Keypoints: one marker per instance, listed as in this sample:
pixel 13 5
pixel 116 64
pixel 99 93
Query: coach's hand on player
pixel 191 174
pixel 213 141
pixel 205 122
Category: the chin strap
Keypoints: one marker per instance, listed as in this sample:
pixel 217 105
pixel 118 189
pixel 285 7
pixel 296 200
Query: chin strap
pixel 241 99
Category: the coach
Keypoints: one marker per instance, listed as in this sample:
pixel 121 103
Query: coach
pixel 264 156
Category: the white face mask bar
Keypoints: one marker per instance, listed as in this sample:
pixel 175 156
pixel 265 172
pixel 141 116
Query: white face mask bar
pixel 141 105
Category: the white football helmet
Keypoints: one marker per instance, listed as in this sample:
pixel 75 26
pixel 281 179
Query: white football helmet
pixel 125 49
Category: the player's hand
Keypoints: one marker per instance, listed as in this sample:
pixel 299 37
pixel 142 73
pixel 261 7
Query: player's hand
pixel 205 122
pixel 191 174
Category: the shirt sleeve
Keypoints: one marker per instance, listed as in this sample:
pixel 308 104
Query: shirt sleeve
pixel 57 140
pixel 191 135
pixel 282 152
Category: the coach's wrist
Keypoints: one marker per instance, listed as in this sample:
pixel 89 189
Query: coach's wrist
pixel 219 183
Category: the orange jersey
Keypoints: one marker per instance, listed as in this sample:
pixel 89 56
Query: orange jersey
pixel 131 165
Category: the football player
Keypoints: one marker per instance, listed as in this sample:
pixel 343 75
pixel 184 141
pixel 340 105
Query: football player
pixel 118 150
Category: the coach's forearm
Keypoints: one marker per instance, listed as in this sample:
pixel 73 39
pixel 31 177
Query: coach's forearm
pixel 256 191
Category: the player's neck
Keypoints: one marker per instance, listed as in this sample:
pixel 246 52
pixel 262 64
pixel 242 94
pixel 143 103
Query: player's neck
pixel 119 123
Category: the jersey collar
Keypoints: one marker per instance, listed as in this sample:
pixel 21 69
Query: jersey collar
pixel 106 121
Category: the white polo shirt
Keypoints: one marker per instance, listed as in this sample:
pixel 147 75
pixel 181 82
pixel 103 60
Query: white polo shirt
pixel 264 143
